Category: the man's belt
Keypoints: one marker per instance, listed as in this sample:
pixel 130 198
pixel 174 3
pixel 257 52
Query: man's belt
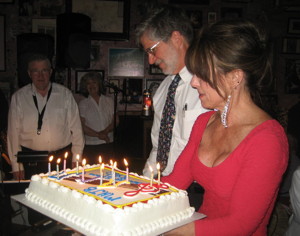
pixel 29 155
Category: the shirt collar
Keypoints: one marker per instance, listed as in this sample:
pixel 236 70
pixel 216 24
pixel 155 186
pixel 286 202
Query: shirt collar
pixel 185 75
pixel 34 91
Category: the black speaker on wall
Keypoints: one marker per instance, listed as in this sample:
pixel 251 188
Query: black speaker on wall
pixel 32 43
pixel 73 42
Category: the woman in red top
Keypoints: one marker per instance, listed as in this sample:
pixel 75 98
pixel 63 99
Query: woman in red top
pixel 237 152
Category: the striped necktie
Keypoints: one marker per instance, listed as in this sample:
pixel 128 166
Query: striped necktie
pixel 166 125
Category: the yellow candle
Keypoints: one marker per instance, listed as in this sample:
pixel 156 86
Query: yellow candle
pixel 151 179
pixel 49 165
pixel 127 170
pixel 101 173
pixel 57 166
pixel 158 173
pixel 114 173
pixel 77 164
pixel 83 164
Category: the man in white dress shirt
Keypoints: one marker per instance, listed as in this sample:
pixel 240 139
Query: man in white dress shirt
pixel 166 35
pixel 43 116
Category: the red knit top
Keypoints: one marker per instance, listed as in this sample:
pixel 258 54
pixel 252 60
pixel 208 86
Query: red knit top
pixel 241 191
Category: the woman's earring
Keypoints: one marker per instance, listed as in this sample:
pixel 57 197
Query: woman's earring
pixel 224 112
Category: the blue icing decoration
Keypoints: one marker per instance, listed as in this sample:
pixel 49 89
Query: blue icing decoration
pixel 102 193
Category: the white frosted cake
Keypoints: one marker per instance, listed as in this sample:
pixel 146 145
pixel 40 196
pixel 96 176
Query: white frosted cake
pixel 108 201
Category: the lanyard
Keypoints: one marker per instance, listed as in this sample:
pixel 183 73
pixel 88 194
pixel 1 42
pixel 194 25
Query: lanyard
pixel 41 115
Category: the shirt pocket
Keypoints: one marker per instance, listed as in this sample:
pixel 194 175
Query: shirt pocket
pixel 59 118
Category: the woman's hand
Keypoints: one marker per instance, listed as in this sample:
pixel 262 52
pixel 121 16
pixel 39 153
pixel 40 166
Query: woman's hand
pixel 186 230
pixel 103 135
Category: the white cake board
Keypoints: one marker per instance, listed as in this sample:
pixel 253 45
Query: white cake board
pixel 21 198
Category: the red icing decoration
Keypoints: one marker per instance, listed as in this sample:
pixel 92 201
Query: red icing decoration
pixel 146 188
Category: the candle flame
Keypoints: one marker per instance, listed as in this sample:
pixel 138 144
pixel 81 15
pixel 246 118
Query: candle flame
pixel 151 169
pixel 66 155
pixel 58 160
pixel 84 162
pixel 51 158
pixel 100 159
pixel 158 166
pixel 115 164
pixel 125 162
pixel 77 157
pixel 111 162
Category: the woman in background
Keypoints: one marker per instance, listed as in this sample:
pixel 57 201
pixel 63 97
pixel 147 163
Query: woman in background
pixel 97 117
pixel 237 152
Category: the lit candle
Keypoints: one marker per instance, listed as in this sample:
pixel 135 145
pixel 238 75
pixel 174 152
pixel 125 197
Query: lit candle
pixel 158 173
pixel 100 161
pixel 127 170
pixel 101 173
pixel 77 164
pixel 49 165
pixel 114 173
pixel 112 167
pixel 83 164
pixel 151 179
pixel 57 166
pixel 65 161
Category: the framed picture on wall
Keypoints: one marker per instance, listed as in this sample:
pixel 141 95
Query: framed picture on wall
pixel 114 82
pixel 211 17
pixel 196 18
pixel 44 26
pixel 110 18
pixel 6 1
pixel 292 76
pixel 95 52
pixel 2 43
pixel 126 62
pixel 291 45
pixel 152 85
pixel 294 26
pixel 78 77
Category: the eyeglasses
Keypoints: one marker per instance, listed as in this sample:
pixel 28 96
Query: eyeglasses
pixel 152 49
pixel 43 71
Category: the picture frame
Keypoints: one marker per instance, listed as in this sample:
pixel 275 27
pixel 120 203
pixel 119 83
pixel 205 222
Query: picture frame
pixel 293 26
pixel 196 17
pixel 95 52
pixel 155 70
pixel 2 43
pixel 44 26
pixel 132 93
pixel 291 45
pixel 51 8
pixel 292 75
pixel 112 26
pixel 152 85
pixel 26 8
pixel 78 76
pixel 7 1
pixel 126 62
pixel 211 17
pixel 115 82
